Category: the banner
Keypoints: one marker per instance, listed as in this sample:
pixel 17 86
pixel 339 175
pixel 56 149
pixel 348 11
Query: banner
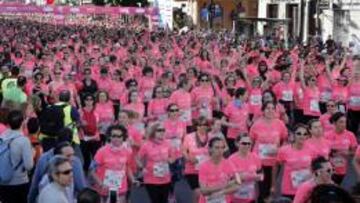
pixel 68 10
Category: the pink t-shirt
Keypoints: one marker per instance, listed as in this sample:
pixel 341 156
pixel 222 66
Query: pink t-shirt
pixel 284 92
pixel 304 191
pixel 136 107
pixel 156 156
pixel 342 142
pixel 247 166
pixel 237 116
pixel 325 88
pixel 112 166
pixel 174 133
pixel 157 107
pixel 319 146
pixel 255 101
pixel 297 167
pixel 268 137
pixel 201 154
pixel 311 101
pixel 340 93
pixel 325 122
pixel 105 111
pixel 181 98
pixel 211 175
pixel 117 90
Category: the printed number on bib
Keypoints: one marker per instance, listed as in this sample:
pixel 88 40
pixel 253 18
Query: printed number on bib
pixel 338 161
pixel 314 105
pixel 161 169
pixel 255 100
pixel 246 191
pixel 219 199
pixel 355 101
pixel 113 179
pixel 299 176
pixel 176 143
pixel 267 150
pixel 287 96
pixel 325 96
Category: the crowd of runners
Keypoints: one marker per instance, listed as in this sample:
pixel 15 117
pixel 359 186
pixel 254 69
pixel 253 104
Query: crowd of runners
pixel 90 112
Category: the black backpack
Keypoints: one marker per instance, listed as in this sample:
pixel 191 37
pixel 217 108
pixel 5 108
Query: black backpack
pixel 52 120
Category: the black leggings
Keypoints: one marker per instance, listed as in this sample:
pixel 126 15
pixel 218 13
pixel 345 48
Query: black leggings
pixel 158 193
pixel 353 121
pixel 265 185
pixel 89 149
pixel 14 193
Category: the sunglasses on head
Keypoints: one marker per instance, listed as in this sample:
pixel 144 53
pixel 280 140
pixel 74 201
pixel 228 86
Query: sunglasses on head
pixel 117 135
pixel 173 110
pixel 245 143
pixel 66 172
pixel 160 130
pixel 300 134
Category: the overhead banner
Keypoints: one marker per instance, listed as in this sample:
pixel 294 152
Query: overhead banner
pixel 67 10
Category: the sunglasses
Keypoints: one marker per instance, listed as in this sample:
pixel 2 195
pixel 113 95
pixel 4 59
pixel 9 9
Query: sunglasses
pixel 173 110
pixel 301 134
pixel 160 130
pixel 117 135
pixel 245 143
pixel 204 80
pixel 66 172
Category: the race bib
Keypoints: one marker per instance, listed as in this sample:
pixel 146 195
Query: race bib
pixel 199 160
pixel 300 176
pixel 267 150
pixel 113 179
pixel 354 101
pixel 325 96
pixel 338 161
pixel 161 169
pixel 246 191
pixel 255 100
pixel 219 199
pixel 175 143
pixel 287 95
pixel 314 105
pixel 148 95
pixel 186 115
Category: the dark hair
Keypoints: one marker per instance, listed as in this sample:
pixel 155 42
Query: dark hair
pixel 21 81
pixel 300 125
pixel 128 83
pixel 336 116
pixel 241 135
pixel 316 164
pixel 15 71
pixel 147 69
pixel 273 95
pixel 265 104
pixel 15 119
pixel 330 193
pixel 311 122
pixel 65 96
pixel 58 148
pixel 33 125
pixel 88 195
pixel 118 127
pixel 213 140
pixel 240 92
